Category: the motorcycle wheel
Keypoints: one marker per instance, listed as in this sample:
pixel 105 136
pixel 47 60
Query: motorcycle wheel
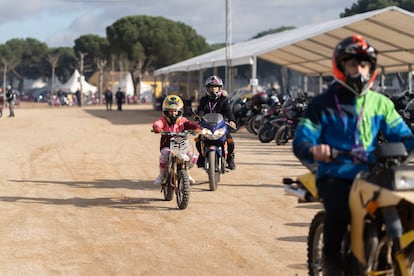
pixel 183 189
pixel 255 124
pixel 282 135
pixel 213 173
pixel 248 124
pixel 315 244
pixel 168 188
pixel 267 133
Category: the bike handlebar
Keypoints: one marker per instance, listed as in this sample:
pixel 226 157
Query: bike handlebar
pixel 176 133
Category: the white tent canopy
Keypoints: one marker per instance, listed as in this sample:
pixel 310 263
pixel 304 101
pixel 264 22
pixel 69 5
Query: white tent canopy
pixel 126 85
pixel 74 84
pixel 308 49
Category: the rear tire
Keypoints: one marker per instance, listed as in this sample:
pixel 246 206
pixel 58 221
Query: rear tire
pixel 168 188
pixel 315 244
pixel 248 124
pixel 255 124
pixel 183 189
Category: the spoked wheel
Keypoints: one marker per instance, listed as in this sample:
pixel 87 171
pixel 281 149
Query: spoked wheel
pixel 183 189
pixel 213 173
pixel 315 244
pixel 167 188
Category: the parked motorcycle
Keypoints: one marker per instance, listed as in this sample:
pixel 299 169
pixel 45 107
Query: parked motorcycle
pixel 240 109
pixel 408 114
pixel 380 238
pixel 271 123
pixel 213 146
pixel 177 180
pixel 291 114
pixel 259 106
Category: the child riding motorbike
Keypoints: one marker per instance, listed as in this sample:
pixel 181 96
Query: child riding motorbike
pixel 172 120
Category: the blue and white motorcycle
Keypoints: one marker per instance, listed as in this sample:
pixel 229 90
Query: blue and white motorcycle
pixel 213 146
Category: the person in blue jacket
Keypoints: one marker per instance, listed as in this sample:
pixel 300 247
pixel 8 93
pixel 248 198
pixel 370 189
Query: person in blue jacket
pixel 348 116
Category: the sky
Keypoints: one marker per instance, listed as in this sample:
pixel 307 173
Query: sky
pixel 59 22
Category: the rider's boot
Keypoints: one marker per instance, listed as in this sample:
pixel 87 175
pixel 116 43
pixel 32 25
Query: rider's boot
pixel 161 177
pixel 192 180
pixel 200 161
pixel 332 265
pixel 230 162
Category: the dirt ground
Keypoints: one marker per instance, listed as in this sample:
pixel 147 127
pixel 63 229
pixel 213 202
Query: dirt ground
pixel 77 198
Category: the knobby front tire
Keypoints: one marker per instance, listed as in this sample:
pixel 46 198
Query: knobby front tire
pixel 183 189
pixel 315 244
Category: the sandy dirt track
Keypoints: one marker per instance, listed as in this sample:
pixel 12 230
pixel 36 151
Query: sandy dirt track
pixel 77 198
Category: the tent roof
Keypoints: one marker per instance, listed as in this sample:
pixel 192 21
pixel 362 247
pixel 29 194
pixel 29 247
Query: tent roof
pixel 74 82
pixel 308 49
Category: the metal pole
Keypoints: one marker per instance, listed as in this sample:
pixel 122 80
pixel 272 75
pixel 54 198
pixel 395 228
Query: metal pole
pixel 228 46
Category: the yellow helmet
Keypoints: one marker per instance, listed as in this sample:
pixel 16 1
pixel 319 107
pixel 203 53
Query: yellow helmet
pixel 172 103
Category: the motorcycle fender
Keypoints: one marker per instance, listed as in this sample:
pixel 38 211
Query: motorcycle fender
pixel 407 195
pixel 361 193
pixel 358 213
pixel 309 182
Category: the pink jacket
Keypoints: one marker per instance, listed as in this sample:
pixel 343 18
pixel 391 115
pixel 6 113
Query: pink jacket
pixel 181 124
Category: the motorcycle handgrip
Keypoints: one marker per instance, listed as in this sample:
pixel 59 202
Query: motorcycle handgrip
pixel 336 153
pixel 228 124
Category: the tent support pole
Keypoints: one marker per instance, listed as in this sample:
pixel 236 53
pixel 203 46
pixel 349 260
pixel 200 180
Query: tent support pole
pixel 253 61
pixel 410 78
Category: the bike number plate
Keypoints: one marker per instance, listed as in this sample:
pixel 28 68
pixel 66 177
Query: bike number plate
pixel 179 145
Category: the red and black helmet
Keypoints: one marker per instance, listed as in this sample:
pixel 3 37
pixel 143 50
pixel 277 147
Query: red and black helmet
pixel 354 47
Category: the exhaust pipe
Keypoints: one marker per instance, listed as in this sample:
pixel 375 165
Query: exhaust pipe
pixel 302 194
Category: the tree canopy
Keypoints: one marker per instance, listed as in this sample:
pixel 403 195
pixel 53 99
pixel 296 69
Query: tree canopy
pixel 155 41
pixel 369 5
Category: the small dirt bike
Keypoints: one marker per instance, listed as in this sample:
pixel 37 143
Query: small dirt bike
pixel 380 237
pixel 177 180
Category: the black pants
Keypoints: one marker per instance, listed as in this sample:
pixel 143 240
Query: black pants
pixel 119 103
pixel 334 193
pixel 108 105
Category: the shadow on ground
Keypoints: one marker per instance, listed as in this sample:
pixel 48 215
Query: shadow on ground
pixel 127 116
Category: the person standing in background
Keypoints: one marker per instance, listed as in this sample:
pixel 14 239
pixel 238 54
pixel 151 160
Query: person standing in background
pixel 108 99
pixel 11 100
pixel 120 96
